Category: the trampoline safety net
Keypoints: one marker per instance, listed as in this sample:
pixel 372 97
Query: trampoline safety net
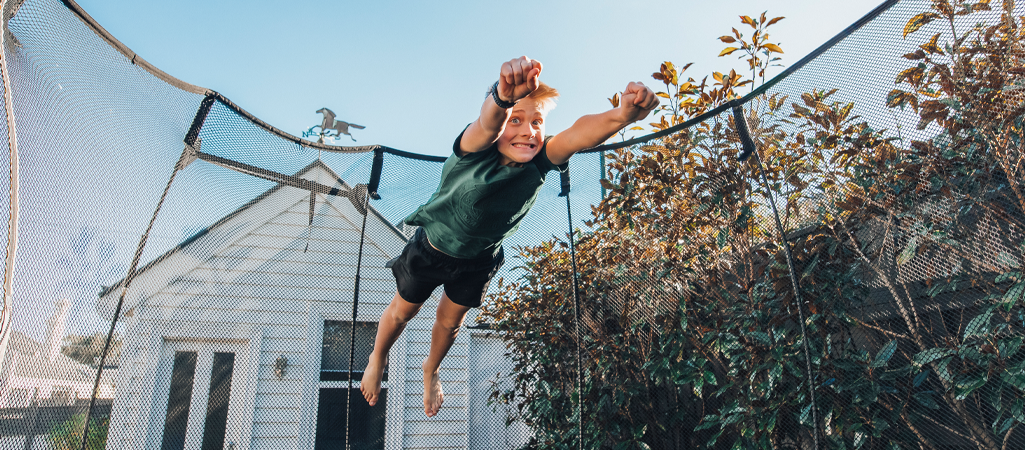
pixel 833 261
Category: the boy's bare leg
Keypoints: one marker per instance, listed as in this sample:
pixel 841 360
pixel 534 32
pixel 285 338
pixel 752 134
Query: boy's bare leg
pixel 393 321
pixel 446 326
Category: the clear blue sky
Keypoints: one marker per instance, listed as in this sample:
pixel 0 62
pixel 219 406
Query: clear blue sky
pixel 414 73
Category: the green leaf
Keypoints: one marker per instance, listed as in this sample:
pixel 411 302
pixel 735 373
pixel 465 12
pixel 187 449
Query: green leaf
pixel 908 252
pixel 926 400
pixel 761 337
pixel 884 355
pixel 1005 426
pixel 941 370
pixel 774 373
pixel 920 378
pixel 706 425
pixel 1018 410
pixel 806 415
pixel 1015 378
pixel 1014 294
pixel 710 378
pixel 1007 276
pixel 1008 259
pixel 965 387
pixel 1009 346
pixel 639 432
pixel 734 418
pixel 930 355
pixel 880 424
pixel 711 442
pixel 979 326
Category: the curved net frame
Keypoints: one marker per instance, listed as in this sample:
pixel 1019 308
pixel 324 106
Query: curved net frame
pixel 832 261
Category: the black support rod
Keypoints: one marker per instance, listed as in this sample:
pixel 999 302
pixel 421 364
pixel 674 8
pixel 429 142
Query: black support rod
pixel 375 175
pixel 750 149
pixel 362 191
pixel 564 177
pixel 117 311
pixel 188 155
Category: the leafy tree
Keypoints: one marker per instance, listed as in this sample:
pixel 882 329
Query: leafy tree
pixel 759 51
pixel 692 336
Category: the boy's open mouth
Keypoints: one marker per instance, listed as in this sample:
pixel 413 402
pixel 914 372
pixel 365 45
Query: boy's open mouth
pixel 525 146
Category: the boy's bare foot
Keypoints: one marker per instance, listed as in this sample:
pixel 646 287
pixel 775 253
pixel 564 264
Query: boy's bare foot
pixel 433 396
pixel 371 384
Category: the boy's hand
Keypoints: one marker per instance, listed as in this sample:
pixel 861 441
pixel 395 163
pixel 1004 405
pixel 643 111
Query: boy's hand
pixel 518 78
pixel 637 101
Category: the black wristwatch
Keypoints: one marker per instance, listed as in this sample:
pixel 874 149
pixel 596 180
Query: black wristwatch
pixel 498 101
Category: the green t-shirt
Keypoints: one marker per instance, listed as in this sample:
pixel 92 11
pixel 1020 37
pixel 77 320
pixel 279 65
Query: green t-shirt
pixel 480 202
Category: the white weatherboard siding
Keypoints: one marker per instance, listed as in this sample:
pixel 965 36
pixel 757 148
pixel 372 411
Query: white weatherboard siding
pixel 251 281
pixel 260 283
pixel 487 422
pixel 447 429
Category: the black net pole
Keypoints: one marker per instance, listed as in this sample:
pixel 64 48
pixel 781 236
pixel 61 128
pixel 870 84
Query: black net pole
pixel 749 149
pixel 121 300
pixel 192 143
pixel 360 190
pixel 564 176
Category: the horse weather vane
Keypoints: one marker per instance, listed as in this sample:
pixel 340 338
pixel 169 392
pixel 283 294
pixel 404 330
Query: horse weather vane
pixel 340 127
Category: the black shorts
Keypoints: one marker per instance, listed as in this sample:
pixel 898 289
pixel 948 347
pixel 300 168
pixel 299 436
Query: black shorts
pixel 421 268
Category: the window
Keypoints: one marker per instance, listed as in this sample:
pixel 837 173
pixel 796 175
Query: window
pixel 366 427
pixel 199 412
pixel 183 374
pixel 216 426
pixel 334 361
pixel 366 423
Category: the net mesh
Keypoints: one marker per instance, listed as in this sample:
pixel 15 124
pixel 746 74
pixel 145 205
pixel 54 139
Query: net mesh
pixel 854 284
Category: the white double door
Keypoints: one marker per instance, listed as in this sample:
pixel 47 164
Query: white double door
pixel 196 396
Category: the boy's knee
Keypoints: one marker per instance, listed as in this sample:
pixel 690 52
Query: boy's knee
pixel 448 326
pixel 403 317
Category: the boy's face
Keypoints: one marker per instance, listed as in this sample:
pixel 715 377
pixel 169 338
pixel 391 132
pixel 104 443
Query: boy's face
pixel 524 133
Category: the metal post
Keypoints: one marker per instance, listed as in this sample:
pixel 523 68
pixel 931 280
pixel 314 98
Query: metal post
pixel 12 225
pixel 750 149
pixel 360 189
pixel 189 153
pixel 564 176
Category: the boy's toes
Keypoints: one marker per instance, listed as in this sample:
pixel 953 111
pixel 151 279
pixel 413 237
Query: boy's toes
pixel 431 410
pixel 370 396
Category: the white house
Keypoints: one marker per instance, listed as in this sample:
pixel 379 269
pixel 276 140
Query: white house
pixel 38 372
pixel 240 336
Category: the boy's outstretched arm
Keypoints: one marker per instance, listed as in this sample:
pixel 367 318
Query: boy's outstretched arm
pixel 517 79
pixel 636 102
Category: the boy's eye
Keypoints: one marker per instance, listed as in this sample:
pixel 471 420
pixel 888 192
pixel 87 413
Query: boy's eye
pixel 537 122
pixel 514 120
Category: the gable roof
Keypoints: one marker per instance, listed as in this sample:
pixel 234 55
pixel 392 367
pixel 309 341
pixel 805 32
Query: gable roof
pixel 217 232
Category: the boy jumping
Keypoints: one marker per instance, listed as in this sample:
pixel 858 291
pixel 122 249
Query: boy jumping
pixel 497 167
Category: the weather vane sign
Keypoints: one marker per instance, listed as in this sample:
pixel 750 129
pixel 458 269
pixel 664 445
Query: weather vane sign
pixel 329 123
